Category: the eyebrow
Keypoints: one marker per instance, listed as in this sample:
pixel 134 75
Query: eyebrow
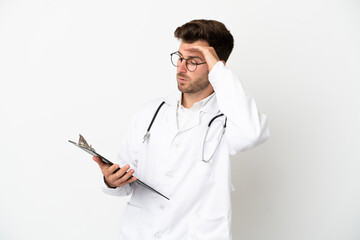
pixel 191 57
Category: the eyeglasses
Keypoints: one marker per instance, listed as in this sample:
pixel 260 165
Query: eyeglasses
pixel 190 63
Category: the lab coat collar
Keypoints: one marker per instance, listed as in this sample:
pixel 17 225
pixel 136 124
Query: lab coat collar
pixel 209 107
pixel 172 100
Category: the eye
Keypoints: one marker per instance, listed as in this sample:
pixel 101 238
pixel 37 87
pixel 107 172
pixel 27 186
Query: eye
pixel 192 62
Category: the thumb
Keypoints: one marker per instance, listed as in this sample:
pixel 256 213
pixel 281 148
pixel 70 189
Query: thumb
pixel 100 162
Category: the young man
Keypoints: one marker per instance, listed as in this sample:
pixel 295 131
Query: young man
pixel 186 155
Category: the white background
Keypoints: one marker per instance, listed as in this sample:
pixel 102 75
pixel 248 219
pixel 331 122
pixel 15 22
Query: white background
pixel 76 66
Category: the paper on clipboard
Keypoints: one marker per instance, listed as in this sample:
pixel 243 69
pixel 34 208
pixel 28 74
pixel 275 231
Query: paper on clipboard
pixel 87 148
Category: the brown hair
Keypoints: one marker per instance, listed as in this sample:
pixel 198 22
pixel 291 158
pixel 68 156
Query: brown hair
pixel 211 31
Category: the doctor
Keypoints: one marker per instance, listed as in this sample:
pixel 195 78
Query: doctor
pixel 185 155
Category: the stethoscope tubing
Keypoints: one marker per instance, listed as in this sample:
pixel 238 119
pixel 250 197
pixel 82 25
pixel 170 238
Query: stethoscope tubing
pixel 218 143
pixel 147 134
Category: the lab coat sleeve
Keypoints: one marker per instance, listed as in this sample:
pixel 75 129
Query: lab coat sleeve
pixel 128 154
pixel 246 127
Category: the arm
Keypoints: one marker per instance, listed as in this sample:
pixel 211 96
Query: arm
pixel 246 128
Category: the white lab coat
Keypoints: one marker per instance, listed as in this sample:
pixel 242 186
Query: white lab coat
pixel 171 162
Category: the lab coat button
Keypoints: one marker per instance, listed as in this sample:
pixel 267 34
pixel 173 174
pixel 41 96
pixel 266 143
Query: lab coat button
pixel 158 235
pixel 162 206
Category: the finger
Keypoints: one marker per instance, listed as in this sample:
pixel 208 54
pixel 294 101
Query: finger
pixel 125 177
pixel 130 180
pixel 109 170
pixel 113 176
pixel 194 48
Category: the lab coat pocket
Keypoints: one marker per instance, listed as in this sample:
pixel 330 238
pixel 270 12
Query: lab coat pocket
pixel 130 226
pixel 209 229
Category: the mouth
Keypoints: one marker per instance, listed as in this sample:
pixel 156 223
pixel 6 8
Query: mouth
pixel 182 80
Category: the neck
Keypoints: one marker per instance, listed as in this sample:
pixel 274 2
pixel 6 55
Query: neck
pixel 188 99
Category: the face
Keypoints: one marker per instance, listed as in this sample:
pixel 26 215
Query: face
pixel 197 81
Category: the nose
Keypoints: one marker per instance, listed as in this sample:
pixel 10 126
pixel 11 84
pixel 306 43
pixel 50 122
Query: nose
pixel 182 67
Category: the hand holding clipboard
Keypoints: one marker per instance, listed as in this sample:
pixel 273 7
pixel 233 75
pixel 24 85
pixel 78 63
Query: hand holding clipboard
pixel 87 148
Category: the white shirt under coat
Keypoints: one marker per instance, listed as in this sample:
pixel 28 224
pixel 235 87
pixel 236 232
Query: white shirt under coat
pixel 183 114
pixel 171 162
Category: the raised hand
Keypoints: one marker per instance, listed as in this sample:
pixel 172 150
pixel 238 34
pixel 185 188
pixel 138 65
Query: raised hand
pixel 209 54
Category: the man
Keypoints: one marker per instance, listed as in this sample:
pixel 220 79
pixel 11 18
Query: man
pixel 186 155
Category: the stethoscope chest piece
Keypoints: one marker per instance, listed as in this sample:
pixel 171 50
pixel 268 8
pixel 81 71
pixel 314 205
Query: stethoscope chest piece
pixel 146 136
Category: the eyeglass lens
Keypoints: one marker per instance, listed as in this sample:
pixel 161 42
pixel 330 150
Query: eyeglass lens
pixel 191 64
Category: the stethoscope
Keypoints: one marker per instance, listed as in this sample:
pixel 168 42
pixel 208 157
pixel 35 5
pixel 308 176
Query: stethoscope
pixel 147 134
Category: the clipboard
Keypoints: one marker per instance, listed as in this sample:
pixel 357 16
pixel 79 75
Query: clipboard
pixel 82 144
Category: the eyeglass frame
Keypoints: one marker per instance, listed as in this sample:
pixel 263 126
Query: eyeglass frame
pixel 186 61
